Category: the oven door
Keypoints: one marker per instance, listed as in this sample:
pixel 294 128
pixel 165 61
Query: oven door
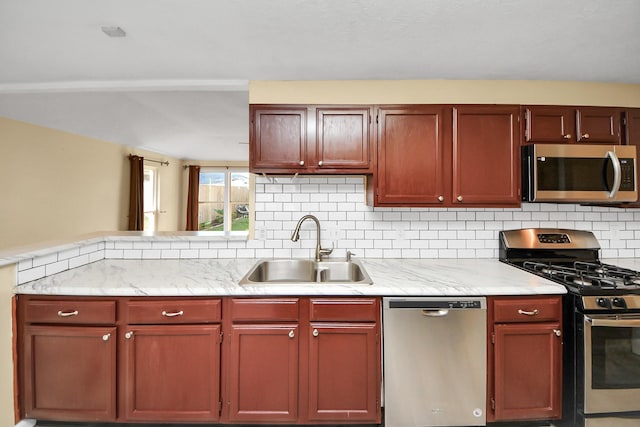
pixel 612 363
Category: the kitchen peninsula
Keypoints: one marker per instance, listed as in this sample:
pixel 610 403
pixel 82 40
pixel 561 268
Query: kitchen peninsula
pixel 106 276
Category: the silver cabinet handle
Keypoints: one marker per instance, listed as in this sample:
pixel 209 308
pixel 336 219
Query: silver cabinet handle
pixel 567 136
pixel 557 332
pixel 320 163
pixel 128 335
pixel 67 313
pixel 174 314
pixel 459 198
pixel 585 136
pixel 441 198
pixel 301 162
pixel 529 313
pixel 292 334
pixel 106 337
pixel 315 333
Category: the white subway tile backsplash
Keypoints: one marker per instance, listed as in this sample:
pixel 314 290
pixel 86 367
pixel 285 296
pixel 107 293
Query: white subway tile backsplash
pixel 347 223
pixel 44 260
pixel 31 274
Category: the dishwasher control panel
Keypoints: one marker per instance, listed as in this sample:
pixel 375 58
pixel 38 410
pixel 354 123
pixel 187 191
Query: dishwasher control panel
pixel 433 303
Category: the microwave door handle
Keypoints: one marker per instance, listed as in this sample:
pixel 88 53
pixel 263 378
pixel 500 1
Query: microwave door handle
pixel 617 173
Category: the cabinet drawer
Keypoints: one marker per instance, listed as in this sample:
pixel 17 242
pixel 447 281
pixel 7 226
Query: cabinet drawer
pixel 265 309
pixel 70 312
pixel 344 309
pixel 527 310
pixel 174 311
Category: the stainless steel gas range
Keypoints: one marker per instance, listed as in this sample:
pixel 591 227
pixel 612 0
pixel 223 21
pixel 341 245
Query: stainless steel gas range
pixel 601 346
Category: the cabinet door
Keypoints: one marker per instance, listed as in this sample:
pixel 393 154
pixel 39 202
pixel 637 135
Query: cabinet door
pixel 69 373
pixel 598 125
pixel 411 155
pixel 486 156
pixel 344 372
pixel 550 124
pixel 343 138
pixel 528 371
pixel 632 124
pixel 172 373
pixel 263 373
pixel 278 138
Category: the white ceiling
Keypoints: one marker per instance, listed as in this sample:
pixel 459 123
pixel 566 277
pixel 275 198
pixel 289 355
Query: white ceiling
pixel 177 83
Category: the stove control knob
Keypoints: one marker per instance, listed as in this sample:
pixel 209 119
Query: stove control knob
pixel 603 302
pixel 619 302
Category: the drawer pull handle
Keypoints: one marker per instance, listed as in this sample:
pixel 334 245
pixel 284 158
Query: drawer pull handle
pixel 106 337
pixel 174 314
pixel 529 313
pixel 292 334
pixel 128 335
pixel 67 313
pixel 557 332
pixel 315 333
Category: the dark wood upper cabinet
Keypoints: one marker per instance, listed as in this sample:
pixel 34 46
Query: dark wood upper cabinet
pixel 550 124
pixel 411 155
pixel 343 138
pixel 431 155
pixel 632 126
pixel 278 138
pixel 565 124
pixel 310 139
pixel 485 155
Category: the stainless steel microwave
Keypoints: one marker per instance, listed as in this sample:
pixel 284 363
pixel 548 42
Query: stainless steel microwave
pixel 579 173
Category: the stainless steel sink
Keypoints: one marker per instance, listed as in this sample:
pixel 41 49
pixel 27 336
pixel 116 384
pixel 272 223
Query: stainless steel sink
pixel 306 272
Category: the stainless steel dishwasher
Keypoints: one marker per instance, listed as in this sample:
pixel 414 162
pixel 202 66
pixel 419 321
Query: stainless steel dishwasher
pixel 435 361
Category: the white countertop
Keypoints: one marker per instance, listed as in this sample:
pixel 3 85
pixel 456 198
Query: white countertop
pixel 220 277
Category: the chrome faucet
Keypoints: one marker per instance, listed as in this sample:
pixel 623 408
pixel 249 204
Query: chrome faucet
pixel 296 235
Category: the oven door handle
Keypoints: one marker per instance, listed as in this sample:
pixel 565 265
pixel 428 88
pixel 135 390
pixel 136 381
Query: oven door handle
pixel 620 323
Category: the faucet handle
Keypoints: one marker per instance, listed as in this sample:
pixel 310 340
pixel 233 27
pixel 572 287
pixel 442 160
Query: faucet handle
pixel 349 255
pixel 324 252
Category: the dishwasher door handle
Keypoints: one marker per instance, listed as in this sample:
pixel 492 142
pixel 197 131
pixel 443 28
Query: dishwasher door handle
pixel 435 313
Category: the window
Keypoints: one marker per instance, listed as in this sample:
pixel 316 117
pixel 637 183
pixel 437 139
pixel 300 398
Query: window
pixel 150 188
pixel 223 200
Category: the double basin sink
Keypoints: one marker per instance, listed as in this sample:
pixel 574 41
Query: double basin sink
pixel 306 272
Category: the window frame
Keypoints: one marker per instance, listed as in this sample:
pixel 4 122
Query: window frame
pixel 155 211
pixel 227 222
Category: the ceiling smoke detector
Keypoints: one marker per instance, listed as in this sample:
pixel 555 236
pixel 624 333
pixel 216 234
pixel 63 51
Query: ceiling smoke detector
pixel 114 31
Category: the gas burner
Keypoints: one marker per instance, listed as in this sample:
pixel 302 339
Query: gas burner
pixel 577 267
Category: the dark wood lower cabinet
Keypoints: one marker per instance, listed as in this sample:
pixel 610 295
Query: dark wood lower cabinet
pixel 176 360
pixel 172 373
pixel 263 373
pixel 69 373
pixel 527 380
pixel 342 384
pixel 525 358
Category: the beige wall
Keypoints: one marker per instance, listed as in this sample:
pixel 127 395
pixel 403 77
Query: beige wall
pixel 7 281
pixel 55 184
pixel 444 92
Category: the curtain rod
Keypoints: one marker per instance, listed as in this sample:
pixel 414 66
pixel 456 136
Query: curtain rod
pixel 162 163
pixel 218 166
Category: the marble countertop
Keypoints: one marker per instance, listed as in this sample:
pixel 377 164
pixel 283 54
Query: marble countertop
pixel 220 277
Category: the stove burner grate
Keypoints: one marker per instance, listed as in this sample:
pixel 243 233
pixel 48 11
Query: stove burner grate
pixel 587 275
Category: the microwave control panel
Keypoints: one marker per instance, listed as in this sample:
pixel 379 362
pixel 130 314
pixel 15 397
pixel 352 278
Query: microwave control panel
pixel 627 174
